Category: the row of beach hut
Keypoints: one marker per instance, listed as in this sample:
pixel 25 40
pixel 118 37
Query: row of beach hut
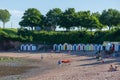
pixel 87 47
pixel 77 47
pixel 28 47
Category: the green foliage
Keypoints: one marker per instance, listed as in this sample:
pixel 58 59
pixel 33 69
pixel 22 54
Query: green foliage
pixel 53 18
pixel 32 17
pixel 7 59
pixel 3 35
pixel 10 34
pixel 52 37
pixel 110 17
pixel 4 16
pixel 67 18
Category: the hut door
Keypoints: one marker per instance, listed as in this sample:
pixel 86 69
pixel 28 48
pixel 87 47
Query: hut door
pixel 78 47
pixel 65 47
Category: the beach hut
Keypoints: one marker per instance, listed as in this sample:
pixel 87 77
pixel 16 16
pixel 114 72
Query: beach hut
pixel 25 47
pixel 95 47
pixel 82 46
pixel 70 47
pixel 65 46
pixel 29 47
pixel 74 47
pixel 115 46
pixel 118 47
pixel 60 47
pixel 55 46
pixel 92 47
pixel 108 46
pixel 79 47
pixel 22 47
pixel 87 47
pixel 100 47
pixel 34 47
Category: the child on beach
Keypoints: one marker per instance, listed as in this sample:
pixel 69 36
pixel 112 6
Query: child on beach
pixel 112 68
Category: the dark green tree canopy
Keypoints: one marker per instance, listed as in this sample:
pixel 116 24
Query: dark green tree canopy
pixel 87 20
pixel 67 18
pixel 31 17
pixel 52 18
pixel 4 16
pixel 110 17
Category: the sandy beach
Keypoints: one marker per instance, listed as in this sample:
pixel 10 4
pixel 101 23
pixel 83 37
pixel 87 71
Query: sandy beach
pixel 80 68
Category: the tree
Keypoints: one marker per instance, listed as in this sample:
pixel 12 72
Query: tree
pixel 96 14
pixel 83 18
pixel 93 23
pixel 43 22
pixel 4 16
pixel 110 17
pixel 31 18
pixel 67 19
pixel 52 18
pixel 89 21
pixel 80 18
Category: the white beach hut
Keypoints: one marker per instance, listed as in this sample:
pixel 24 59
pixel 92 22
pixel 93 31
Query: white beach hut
pixel 108 46
pixel 22 47
pixel 55 47
pixel 82 47
pixel 70 47
pixel 28 47
pixel 100 47
pixel 34 47
pixel 25 47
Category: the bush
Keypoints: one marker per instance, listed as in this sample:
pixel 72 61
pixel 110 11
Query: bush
pixel 52 37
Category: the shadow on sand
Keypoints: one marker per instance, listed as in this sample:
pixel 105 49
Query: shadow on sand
pixel 116 61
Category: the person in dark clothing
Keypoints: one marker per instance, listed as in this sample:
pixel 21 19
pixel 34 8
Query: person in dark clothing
pixel 59 62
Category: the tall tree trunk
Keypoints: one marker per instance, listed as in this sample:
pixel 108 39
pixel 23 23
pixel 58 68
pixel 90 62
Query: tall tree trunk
pixel 81 28
pixel 53 28
pixel 3 24
pixel 32 28
pixel 109 27
pixel 67 29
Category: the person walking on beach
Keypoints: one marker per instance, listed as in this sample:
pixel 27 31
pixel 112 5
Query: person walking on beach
pixel 41 57
pixel 59 62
